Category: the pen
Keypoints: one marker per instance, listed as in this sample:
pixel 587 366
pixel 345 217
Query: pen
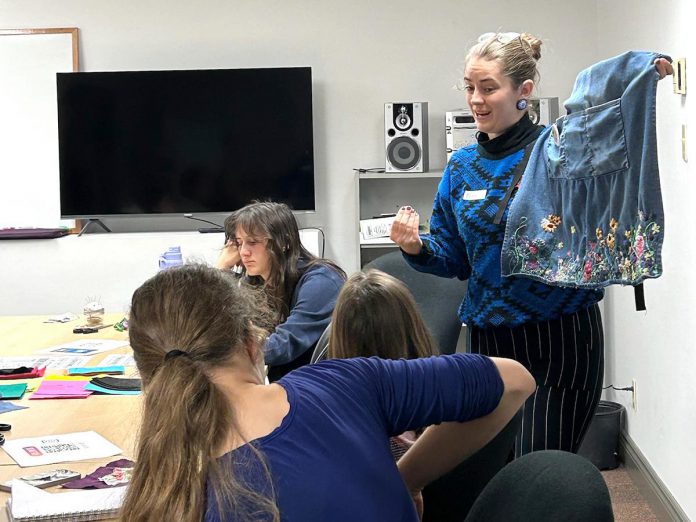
pixel 90 329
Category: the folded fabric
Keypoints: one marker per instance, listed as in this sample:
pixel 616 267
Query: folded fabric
pixel 116 473
pixel 61 389
pixel 113 383
pixel 23 372
pixel 117 369
pixel 12 391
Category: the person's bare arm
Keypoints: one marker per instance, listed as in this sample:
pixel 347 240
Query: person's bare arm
pixel 442 447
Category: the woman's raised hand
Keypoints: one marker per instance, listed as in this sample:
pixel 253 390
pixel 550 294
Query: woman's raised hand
pixel 663 67
pixel 404 231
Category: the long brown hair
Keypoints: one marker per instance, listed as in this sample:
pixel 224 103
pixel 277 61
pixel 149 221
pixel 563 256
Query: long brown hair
pixel 376 314
pixel 203 317
pixel 276 222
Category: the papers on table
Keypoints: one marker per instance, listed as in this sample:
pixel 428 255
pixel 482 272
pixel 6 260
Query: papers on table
pixel 51 449
pixel 122 359
pixel 85 347
pixel 49 362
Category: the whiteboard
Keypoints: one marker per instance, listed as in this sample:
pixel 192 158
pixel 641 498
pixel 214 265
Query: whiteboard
pixel 29 175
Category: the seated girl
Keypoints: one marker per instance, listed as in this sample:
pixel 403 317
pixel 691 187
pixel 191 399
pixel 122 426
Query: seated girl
pixel 376 315
pixel 217 443
pixel 263 239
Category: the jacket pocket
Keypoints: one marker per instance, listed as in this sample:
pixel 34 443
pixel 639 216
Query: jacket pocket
pixel 591 143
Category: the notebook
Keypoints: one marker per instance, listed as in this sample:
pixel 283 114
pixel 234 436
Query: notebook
pixel 30 503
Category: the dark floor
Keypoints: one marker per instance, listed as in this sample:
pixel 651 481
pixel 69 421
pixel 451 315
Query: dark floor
pixel 629 505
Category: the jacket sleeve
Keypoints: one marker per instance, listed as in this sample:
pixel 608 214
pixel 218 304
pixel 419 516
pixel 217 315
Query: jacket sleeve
pixel 444 253
pixel 313 304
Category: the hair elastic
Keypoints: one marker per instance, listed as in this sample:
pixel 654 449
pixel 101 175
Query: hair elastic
pixel 175 353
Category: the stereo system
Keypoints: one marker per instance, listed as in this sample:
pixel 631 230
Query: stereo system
pixel 406 136
pixel 460 130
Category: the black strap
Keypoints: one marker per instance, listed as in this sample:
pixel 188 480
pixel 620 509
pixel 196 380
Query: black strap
pixel 517 176
pixel 640 297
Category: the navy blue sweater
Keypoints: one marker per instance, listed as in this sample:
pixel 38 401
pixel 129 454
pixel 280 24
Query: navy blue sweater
pixel 330 457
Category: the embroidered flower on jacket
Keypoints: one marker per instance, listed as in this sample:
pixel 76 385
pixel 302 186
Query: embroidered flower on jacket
pixel 620 255
pixel 550 223
pixel 640 245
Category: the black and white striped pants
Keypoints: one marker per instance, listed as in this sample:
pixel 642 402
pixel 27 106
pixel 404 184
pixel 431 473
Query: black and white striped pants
pixel 566 358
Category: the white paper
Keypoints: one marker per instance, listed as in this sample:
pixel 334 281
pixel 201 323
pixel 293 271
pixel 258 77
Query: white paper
pixel 51 449
pixel 84 347
pixel 48 362
pixel 28 501
pixel 115 359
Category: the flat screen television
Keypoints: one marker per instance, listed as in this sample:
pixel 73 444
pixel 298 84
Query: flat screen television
pixel 185 141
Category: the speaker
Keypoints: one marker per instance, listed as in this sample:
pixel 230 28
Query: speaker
pixel 406 136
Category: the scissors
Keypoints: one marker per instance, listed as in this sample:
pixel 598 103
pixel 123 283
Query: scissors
pixel 4 427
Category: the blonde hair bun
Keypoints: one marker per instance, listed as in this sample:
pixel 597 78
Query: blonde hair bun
pixel 534 44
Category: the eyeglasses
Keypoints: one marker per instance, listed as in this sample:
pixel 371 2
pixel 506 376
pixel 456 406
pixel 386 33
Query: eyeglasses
pixel 250 242
pixel 503 38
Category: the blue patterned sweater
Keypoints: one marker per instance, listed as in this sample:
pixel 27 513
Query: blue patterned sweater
pixel 466 242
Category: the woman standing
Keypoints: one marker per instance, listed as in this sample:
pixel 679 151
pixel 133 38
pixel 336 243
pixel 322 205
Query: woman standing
pixel 555 332
pixel 264 239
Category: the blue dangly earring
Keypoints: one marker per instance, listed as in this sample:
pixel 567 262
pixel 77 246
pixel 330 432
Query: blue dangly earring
pixel 521 104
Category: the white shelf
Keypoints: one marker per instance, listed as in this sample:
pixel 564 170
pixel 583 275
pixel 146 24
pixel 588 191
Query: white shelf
pixel 401 175
pixel 378 242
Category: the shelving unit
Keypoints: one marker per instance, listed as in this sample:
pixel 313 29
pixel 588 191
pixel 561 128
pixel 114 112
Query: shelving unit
pixel 383 193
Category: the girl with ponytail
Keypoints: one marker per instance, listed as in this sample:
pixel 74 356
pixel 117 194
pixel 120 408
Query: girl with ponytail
pixel 218 444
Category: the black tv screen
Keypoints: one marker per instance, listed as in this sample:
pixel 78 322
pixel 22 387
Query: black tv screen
pixel 170 142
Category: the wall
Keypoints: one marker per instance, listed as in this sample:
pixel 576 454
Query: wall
pixel 363 54
pixel 655 347
pixel 62 275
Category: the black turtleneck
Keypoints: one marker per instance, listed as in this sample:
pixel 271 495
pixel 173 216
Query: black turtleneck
pixel 515 138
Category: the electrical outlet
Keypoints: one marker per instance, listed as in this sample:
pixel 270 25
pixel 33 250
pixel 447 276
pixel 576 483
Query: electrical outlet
pixel 634 396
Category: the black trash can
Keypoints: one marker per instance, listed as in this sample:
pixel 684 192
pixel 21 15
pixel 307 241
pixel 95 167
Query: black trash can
pixel 601 443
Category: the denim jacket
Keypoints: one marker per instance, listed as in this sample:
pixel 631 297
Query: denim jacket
pixel 589 210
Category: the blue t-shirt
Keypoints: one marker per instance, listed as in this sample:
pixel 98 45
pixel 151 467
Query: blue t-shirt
pixel 330 457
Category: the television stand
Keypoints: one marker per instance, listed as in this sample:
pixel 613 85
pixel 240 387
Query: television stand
pixel 89 223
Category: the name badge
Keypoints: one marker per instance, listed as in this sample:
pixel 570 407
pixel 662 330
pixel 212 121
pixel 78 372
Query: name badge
pixel 474 195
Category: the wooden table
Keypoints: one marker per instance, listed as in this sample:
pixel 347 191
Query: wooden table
pixel 114 417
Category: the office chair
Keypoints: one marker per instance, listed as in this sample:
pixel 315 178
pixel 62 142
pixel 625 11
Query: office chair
pixel 438 298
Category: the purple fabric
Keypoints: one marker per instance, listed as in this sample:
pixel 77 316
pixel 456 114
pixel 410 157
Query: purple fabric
pixel 92 481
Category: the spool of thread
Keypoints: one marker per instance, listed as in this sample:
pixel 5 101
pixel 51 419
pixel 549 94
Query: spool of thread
pixel 94 314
